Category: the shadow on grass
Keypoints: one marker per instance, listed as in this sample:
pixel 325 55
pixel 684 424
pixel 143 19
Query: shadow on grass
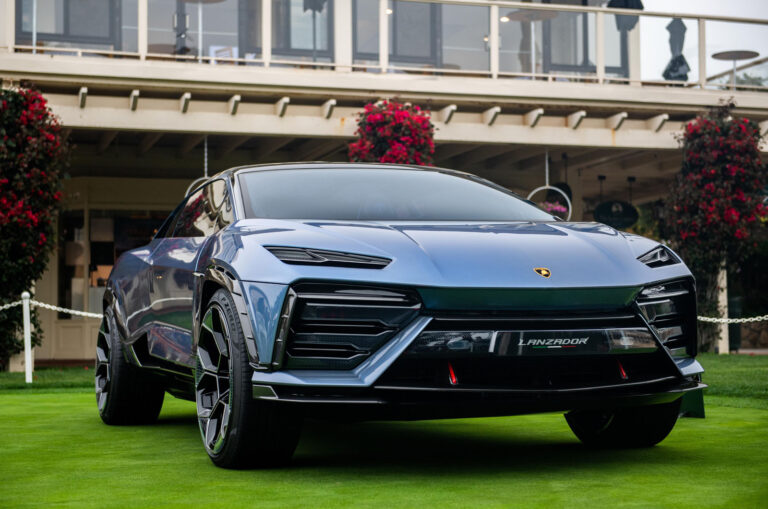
pixel 387 446
pixel 435 448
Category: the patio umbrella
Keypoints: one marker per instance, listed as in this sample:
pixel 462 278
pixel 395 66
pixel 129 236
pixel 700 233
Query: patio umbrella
pixel 315 6
pixel 626 23
pixel 677 69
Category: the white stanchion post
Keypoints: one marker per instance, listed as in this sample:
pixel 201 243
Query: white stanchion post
pixel 723 343
pixel 27 337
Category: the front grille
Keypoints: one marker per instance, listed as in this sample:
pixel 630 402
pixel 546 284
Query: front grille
pixel 336 326
pixel 670 309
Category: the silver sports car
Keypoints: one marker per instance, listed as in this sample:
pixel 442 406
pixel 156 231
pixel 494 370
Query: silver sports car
pixel 356 291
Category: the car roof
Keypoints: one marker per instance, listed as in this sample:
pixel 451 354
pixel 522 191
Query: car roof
pixel 307 165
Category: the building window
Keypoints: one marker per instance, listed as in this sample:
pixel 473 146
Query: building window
pixel 365 31
pixel 227 29
pixel 423 34
pixel 86 257
pixel 303 28
pixel 86 24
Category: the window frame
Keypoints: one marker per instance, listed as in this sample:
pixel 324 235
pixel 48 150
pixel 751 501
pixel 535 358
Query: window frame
pixel 435 52
pixel 115 22
pixel 172 221
pixel 297 52
pixel 587 39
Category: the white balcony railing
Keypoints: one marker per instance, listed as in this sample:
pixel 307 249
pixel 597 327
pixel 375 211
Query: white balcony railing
pixel 480 38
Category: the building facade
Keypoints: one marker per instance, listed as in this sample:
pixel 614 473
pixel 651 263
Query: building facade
pixel 156 93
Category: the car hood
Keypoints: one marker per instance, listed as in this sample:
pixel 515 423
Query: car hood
pixel 451 254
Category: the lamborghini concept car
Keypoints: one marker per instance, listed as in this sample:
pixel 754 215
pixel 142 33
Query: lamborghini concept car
pixel 357 291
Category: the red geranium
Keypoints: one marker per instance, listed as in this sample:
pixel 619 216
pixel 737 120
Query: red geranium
pixel 393 132
pixel 717 198
pixel 33 155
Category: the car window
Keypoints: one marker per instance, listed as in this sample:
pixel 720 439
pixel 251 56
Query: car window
pixel 222 203
pixel 375 194
pixel 166 229
pixel 206 211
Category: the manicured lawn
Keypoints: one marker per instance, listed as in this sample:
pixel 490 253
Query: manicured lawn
pixel 56 451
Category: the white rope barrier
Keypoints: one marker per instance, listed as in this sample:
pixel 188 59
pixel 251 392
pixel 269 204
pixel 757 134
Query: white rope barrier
pixel 710 319
pixel 26 302
pixel 64 310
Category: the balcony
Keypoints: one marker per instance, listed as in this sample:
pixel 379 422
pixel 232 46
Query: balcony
pixel 465 38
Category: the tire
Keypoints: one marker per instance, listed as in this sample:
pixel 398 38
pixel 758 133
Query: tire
pixel 630 427
pixel 237 431
pixel 124 394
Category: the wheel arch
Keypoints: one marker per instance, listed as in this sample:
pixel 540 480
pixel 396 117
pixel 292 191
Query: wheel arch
pixel 112 301
pixel 217 277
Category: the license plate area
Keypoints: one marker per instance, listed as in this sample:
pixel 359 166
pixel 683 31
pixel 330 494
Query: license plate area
pixel 527 343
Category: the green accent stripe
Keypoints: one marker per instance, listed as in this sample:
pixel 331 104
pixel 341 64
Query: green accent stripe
pixel 528 298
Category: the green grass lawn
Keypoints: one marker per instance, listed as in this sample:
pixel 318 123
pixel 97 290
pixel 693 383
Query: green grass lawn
pixel 56 451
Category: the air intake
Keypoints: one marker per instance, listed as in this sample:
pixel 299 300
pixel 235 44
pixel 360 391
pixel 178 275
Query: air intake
pixel 338 326
pixel 670 308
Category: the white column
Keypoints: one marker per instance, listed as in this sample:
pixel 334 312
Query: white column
pixel 200 45
pixel 7 24
pixel 600 46
pixel 383 35
pixel 493 41
pixel 702 53
pixel 143 30
pixel 723 342
pixel 342 34
pixel 633 53
pixel 34 26
pixel 266 32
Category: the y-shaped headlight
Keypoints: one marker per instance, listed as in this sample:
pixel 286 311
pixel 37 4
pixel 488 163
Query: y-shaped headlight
pixel 659 256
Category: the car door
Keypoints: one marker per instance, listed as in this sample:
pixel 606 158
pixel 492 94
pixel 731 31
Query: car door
pixel 174 261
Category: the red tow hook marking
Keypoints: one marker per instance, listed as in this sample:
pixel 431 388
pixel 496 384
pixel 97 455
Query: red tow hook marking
pixel 452 375
pixel 622 372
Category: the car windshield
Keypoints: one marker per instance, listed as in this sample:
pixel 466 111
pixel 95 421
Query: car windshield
pixel 377 194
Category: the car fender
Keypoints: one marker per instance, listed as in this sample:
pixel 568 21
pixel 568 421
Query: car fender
pixel 220 275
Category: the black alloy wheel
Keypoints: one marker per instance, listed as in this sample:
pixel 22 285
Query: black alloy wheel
pixel 124 393
pixel 628 427
pixel 212 379
pixel 103 372
pixel 237 431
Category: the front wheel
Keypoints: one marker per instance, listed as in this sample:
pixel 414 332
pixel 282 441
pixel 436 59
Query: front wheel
pixel 237 431
pixel 642 426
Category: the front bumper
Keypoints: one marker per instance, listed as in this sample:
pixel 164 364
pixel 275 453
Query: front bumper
pixel 415 403
pixel 371 391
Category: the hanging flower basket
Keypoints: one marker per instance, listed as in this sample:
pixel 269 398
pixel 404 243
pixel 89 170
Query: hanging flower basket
pixel 393 132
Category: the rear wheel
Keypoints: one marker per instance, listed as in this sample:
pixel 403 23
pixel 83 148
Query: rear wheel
pixel 124 394
pixel 237 431
pixel 642 426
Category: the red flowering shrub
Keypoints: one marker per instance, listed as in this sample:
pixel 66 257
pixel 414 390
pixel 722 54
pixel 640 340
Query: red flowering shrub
pixel 32 157
pixel 392 132
pixel 716 206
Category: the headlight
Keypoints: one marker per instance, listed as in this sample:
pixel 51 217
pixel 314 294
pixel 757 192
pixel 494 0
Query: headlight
pixel 660 256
